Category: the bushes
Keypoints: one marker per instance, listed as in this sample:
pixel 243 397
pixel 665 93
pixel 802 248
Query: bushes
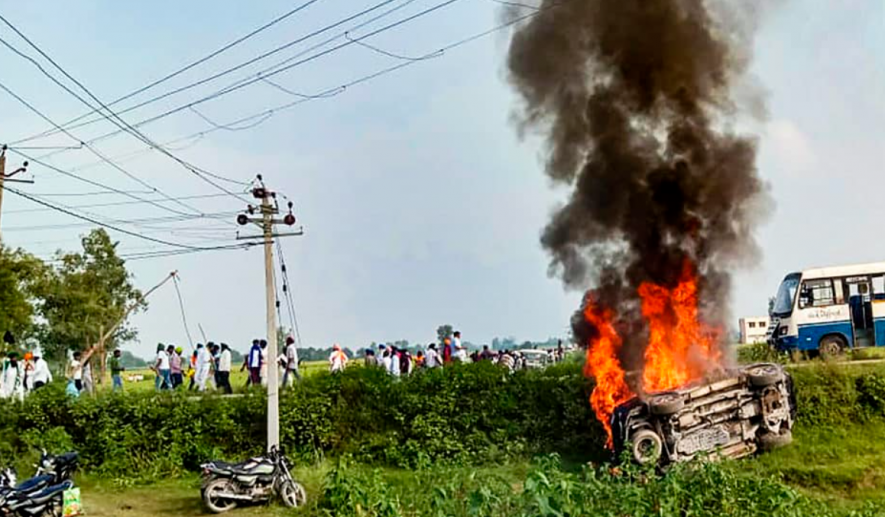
pixel 469 413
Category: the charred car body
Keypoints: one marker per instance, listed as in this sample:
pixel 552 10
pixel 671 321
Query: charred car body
pixel 747 409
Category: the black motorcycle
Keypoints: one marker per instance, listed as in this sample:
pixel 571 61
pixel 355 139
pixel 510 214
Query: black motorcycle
pixel 30 500
pixel 253 481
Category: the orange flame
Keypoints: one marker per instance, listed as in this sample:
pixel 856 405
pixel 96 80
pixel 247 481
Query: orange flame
pixel 603 365
pixel 681 348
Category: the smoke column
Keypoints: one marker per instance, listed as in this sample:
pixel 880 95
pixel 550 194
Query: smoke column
pixel 635 99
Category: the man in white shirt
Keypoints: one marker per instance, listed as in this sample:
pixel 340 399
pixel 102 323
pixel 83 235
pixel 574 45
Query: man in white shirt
pixel 204 361
pixel 42 375
pixel 394 362
pixel 75 372
pixel 385 357
pixel 163 381
pixel 431 358
pixel 291 362
pixel 460 351
pixel 13 378
pixel 224 369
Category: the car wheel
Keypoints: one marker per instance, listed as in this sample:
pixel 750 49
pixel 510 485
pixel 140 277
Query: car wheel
pixel 647 447
pixel 771 441
pixel 211 498
pixel 831 347
pixel 664 404
pixel 762 375
pixel 293 494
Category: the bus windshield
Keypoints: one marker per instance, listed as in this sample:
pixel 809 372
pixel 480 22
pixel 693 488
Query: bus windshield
pixel 783 302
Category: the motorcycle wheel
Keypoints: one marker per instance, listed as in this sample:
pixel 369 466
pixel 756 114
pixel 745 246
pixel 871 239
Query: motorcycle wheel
pixel 293 494
pixel 213 502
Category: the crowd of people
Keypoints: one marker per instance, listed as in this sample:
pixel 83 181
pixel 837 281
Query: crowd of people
pixel 400 361
pixel 23 375
pixel 210 366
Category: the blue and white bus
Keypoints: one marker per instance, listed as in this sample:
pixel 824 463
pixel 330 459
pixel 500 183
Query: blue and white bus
pixel 830 309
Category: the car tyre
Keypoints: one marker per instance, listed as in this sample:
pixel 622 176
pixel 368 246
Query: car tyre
pixel 214 503
pixel 832 347
pixel 664 404
pixel 646 447
pixel 765 374
pixel 771 441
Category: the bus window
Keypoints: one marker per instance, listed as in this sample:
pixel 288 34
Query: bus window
pixel 817 293
pixel 879 287
pixel 839 291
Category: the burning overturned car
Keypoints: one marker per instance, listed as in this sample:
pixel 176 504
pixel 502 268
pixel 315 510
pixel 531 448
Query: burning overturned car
pixel 745 410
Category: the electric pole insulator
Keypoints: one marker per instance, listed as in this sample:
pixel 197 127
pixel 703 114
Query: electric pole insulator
pixel 242 220
pixel 289 219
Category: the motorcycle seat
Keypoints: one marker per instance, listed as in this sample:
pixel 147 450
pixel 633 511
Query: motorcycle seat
pixel 249 467
pixel 33 483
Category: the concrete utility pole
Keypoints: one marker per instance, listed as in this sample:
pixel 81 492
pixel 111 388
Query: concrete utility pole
pixel 266 222
pixel 8 177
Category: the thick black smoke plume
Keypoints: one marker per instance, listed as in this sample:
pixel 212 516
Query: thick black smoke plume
pixel 636 99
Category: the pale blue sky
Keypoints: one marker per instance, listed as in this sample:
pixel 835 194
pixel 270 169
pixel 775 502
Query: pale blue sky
pixel 420 204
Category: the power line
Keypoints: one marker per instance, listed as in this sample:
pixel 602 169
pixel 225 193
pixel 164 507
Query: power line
pixel 263 76
pixel 111 117
pixel 101 205
pixel 287 291
pixel 329 92
pixel 232 69
pixel 95 152
pixel 185 68
pixel 187 330
pixel 71 213
pixel 133 222
pixel 108 188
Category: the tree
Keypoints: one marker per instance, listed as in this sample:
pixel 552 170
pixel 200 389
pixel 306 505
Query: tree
pixel 444 331
pixel 19 274
pixel 88 293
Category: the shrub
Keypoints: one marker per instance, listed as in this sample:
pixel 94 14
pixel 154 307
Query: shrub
pixel 463 414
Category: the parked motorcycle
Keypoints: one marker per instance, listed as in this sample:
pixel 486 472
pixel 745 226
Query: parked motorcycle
pixel 256 480
pixel 35 502
pixel 60 467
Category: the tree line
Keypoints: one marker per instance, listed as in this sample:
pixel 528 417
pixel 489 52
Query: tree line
pixel 66 303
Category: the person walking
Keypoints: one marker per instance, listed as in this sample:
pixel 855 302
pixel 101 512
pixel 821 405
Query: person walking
pixel 163 380
pixel 254 362
pixel 337 360
pixel 385 357
pixel 116 370
pixel 42 375
pixel 460 351
pixel 74 372
pixel 405 362
pixel 204 366
pixel 192 371
pixel 394 362
pixel 263 372
pixel 370 360
pixel 28 367
pixel 88 384
pixel 447 350
pixel 13 378
pixel 431 358
pixel 291 362
pixel 176 377
pixel 224 363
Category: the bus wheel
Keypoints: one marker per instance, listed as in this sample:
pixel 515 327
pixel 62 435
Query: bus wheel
pixel 832 347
